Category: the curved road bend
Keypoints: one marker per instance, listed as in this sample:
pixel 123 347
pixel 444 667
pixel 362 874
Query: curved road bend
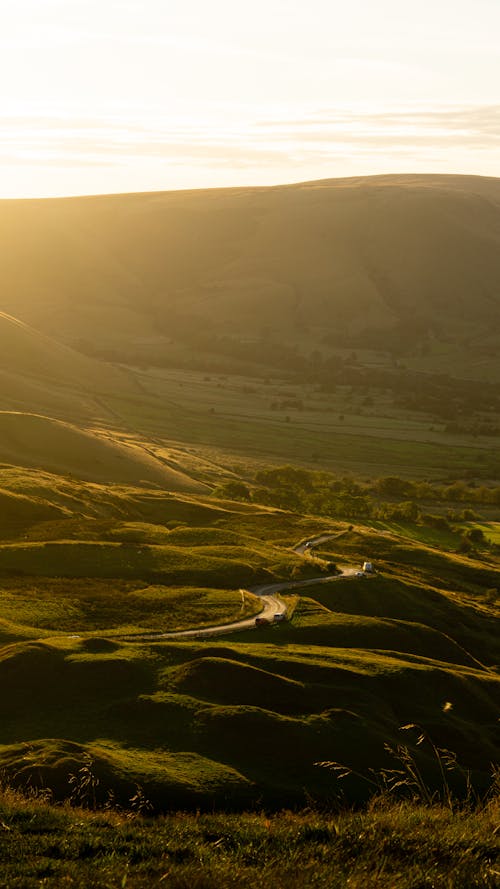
pixel 272 605
pixel 302 548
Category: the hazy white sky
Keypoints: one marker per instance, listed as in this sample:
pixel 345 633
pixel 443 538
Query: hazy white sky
pixel 101 95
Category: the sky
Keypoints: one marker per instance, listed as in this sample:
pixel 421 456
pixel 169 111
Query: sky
pixel 100 96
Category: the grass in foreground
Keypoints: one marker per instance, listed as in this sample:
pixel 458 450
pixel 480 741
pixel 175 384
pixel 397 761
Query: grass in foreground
pixel 396 845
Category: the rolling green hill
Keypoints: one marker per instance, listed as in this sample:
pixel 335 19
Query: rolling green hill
pixel 245 718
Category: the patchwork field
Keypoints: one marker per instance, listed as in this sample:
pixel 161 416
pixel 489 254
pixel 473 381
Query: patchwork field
pixel 251 417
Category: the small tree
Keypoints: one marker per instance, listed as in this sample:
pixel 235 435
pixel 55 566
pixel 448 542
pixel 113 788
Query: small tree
pixel 475 535
pixel 233 490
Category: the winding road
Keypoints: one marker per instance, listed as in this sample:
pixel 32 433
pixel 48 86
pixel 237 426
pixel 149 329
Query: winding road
pixel 273 608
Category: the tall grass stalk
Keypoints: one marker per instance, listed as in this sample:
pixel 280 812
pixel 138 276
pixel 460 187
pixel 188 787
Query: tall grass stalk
pixel 406 778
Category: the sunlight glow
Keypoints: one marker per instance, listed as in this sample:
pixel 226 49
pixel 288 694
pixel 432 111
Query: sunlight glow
pixel 127 96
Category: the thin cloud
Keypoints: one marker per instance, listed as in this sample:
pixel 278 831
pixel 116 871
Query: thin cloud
pixel 480 122
pixel 419 133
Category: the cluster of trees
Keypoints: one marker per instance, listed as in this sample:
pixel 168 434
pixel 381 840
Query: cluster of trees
pixel 320 493
pixel 459 491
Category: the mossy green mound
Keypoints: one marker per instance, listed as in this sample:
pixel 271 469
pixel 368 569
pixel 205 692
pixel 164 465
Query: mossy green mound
pixel 228 681
pixel 268 712
pixel 99 773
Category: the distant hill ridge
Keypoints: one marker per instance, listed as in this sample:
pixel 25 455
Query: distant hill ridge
pixel 342 257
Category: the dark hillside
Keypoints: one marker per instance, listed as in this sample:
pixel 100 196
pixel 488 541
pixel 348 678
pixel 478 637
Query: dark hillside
pixel 369 259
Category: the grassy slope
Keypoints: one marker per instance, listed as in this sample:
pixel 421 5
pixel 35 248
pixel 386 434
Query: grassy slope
pixel 36 356
pixel 37 441
pixel 359 658
pixel 359 251
pixel 38 373
pixel 79 557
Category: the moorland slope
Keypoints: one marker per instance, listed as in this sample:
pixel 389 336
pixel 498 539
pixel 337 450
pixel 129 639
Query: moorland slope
pixel 36 441
pixel 374 261
pixel 343 307
pixel 40 373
